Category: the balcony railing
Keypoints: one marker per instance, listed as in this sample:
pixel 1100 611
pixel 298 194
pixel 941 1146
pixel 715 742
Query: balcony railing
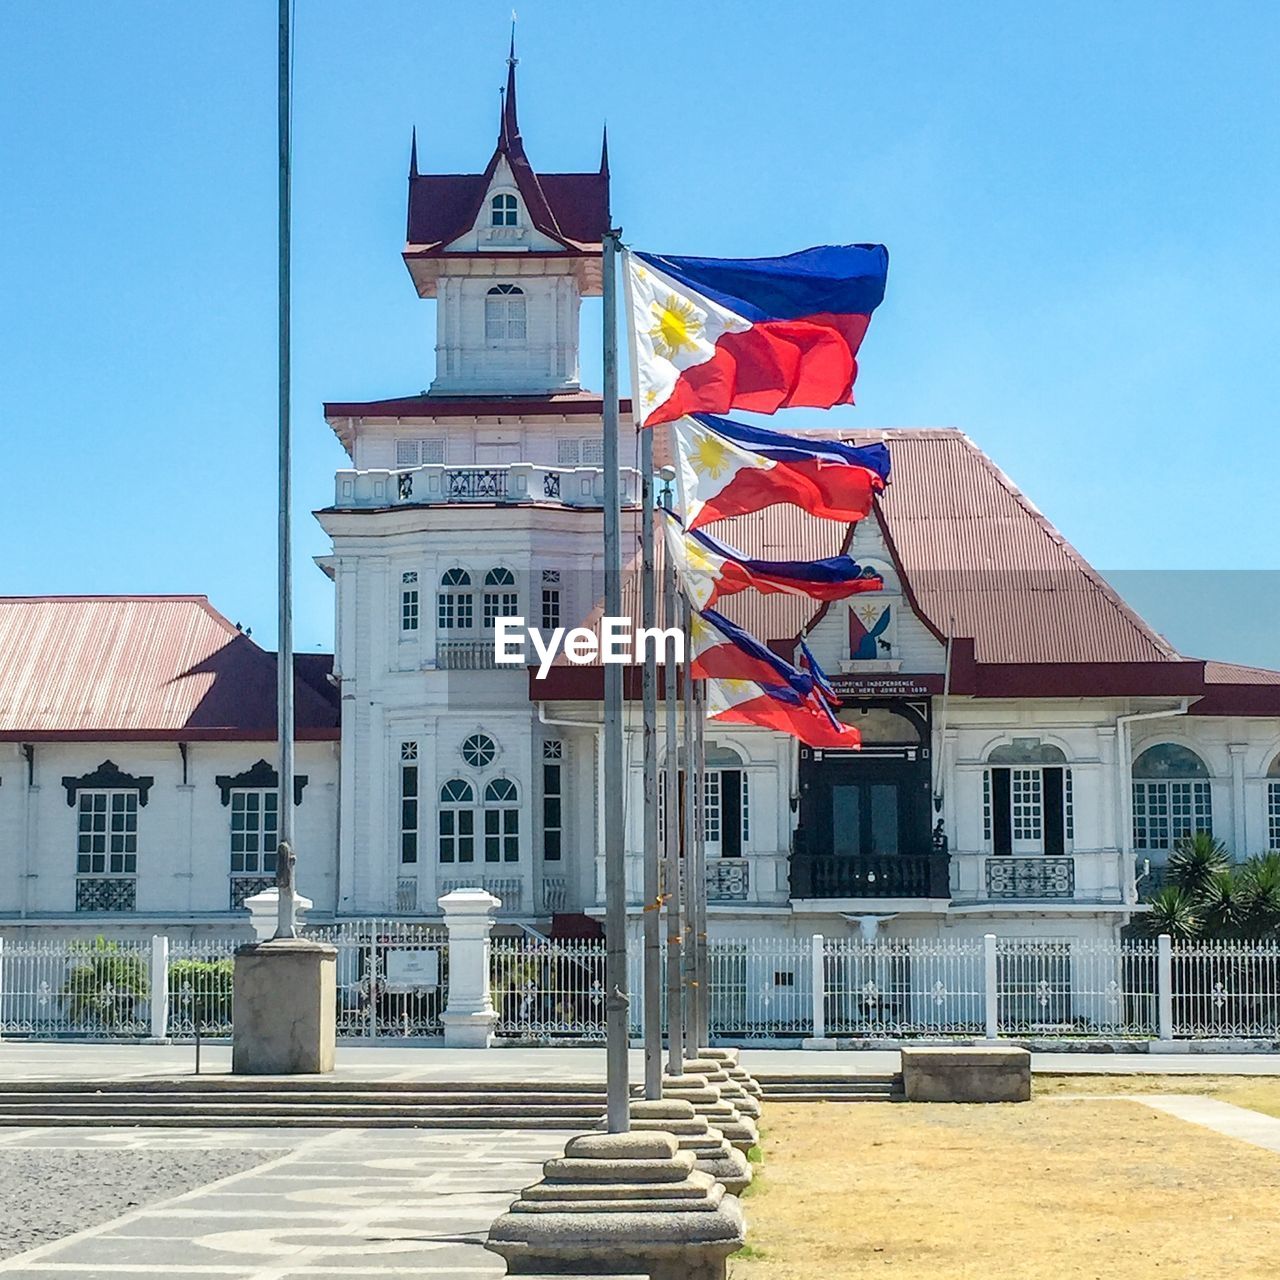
pixel 509 890
pixel 106 893
pixel 728 880
pixel 1028 878
pixel 514 482
pixel 896 875
pixel 466 655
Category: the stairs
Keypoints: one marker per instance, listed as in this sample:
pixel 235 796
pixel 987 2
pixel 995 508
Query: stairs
pixel 832 1088
pixel 267 1102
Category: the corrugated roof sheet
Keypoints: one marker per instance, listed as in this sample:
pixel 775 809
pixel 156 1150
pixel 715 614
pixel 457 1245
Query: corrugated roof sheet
pixel 144 667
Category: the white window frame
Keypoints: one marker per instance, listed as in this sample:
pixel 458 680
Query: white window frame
pixel 112 843
pixel 504 210
pixel 410 603
pixel 553 791
pixel 410 803
pixel 1166 809
pixel 456 823
pixel 500 817
pixel 501 596
pixel 455 601
pixel 505 314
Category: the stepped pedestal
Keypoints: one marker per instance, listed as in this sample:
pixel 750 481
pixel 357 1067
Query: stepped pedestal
pixel 712 1152
pixel 729 1057
pixel 718 1112
pixel 730 1089
pixel 617 1204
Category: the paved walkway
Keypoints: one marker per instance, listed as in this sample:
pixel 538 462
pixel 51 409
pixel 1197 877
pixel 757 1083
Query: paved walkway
pixel 1222 1117
pixel 360 1205
pixel 30 1060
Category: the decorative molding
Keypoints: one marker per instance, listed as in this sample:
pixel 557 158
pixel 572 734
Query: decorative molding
pixel 107 776
pixel 259 777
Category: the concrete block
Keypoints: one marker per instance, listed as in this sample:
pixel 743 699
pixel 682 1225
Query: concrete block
pixel 980 1073
pixel 284 1008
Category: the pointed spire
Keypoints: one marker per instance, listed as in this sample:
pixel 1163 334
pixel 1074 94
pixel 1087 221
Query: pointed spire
pixel 604 151
pixel 413 154
pixel 510 127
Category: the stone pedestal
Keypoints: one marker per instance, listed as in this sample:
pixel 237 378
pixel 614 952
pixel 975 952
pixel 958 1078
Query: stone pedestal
pixel 718 1112
pixel 617 1204
pixel 284 1008
pixel 729 1059
pixel 731 1090
pixel 978 1073
pixel 712 1151
pixel 469 1016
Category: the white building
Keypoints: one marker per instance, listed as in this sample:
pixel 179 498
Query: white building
pixel 1069 746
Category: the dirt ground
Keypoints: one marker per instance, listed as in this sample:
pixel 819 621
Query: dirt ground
pixel 1259 1093
pixel 1055 1189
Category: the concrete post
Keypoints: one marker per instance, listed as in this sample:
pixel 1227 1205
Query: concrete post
pixel 818 962
pixel 469 1016
pixel 1164 986
pixel 1 987
pixel 989 985
pixel 159 989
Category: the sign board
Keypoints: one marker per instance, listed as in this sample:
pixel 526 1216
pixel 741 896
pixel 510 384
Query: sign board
pixel 886 685
pixel 411 970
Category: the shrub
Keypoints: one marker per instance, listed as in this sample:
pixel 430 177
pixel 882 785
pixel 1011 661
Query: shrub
pixel 105 984
pixel 200 993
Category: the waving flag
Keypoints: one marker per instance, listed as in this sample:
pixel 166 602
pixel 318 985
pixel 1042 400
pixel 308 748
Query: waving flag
pixel 782 709
pixel 727 468
pixel 709 569
pixel 720 650
pixel 764 334
pixel 809 664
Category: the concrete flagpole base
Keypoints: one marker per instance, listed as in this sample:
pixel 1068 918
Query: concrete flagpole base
pixel 719 1112
pixel 617 1204
pixel 712 1152
pixel 729 1057
pixel 284 1008
pixel 730 1089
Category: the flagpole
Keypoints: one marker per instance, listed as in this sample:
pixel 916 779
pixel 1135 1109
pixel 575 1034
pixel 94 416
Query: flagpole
pixel 701 955
pixel 615 865
pixel 285 920
pixel 671 833
pixel 649 691
pixel 689 950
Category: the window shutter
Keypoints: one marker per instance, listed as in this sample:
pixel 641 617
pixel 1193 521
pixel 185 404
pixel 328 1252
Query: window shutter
pixel 730 813
pixel 1002 826
pixel 1054 827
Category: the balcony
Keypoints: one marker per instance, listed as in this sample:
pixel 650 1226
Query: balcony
pixel 466 655
pixel 516 482
pixel 896 875
pixel 1023 879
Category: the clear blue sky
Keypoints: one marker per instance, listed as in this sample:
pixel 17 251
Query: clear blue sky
pixel 1079 201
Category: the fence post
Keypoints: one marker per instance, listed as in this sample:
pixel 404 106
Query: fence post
pixel 1 988
pixel 469 1016
pixel 818 981
pixel 159 988
pixel 991 1000
pixel 1164 987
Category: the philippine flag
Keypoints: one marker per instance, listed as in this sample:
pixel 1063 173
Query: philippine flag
pixel 709 569
pixel 781 709
pixel 764 334
pixel 719 650
pixel 727 468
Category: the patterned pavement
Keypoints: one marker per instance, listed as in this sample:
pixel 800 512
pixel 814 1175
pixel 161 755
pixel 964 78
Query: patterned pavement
pixel 350 1205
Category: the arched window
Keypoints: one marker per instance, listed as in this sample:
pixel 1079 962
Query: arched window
pixel 1171 796
pixel 501 821
pixel 479 750
pixel 457 841
pixel 501 599
pixel 454 610
pixel 1027 799
pixel 504 314
pixel 503 211
pixel 1273 805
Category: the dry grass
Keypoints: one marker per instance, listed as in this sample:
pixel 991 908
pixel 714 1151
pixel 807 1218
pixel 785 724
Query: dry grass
pixel 1056 1189
pixel 1259 1093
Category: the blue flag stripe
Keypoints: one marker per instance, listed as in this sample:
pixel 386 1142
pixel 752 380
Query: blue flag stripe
pixel 781 447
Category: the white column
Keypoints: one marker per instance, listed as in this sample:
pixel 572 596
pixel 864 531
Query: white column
pixel 819 1039
pixel 159 988
pixel 1239 823
pixel 1 985
pixel 992 996
pixel 1164 986
pixel 469 1016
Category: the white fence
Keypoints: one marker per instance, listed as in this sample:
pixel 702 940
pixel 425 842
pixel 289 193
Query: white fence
pixel 393 981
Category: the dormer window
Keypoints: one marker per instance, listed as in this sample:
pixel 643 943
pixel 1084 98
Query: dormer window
pixel 502 211
pixel 504 314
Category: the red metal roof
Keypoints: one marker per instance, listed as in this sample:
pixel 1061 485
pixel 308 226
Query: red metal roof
pixel 144 667
pixel 583 404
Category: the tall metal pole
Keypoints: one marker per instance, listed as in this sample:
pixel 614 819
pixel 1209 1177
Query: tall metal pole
pixel 285 922
pixel 652 890
pixel 615 865
pixel 671 835
pixel 701 951
pixel 691 808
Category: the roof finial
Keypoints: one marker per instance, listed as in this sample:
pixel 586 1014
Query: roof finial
pixel 604 150
pixel 413 154
pixel 510 128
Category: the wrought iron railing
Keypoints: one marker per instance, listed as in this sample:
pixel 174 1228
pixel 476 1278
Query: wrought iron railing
pixel 243 887
pixel 509 890
pixel 106 893
pixel 728 879
pixel 897 875
pixel 476 484
pixel 1030 878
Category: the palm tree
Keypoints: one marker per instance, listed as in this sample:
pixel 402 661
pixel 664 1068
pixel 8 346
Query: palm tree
pixel 1195 861
pixel 1260 878
pixel 1174 911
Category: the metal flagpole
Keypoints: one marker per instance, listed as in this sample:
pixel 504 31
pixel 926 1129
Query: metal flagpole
pixel 690 838
pixel 615 867
pixel 701 974
pixel 671 827
pixel 285 923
